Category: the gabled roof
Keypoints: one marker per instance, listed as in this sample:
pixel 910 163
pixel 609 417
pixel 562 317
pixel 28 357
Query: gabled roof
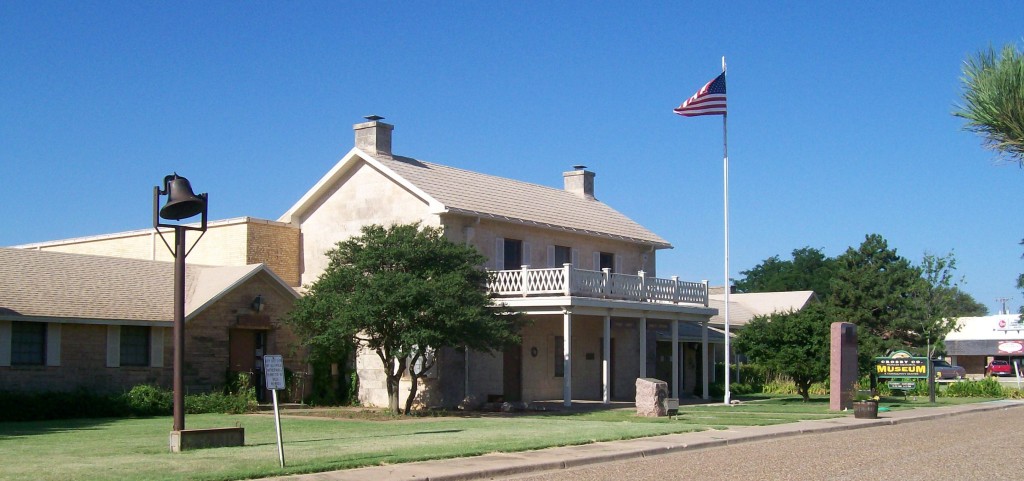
pixel 54 285
pixel 744 307
pixel 450 190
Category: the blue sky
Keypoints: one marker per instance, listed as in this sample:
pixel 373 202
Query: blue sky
pixel 840 118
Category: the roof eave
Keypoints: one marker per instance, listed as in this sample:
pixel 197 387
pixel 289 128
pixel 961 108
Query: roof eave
pixel 657 244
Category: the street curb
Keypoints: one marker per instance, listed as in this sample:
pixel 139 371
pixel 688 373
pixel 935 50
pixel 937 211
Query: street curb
pixel 739 439
pixel 499 465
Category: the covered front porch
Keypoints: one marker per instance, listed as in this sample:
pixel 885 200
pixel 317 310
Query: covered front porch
pixel 593 349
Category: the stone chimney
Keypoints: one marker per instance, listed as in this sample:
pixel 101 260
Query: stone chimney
pixel 374 137
pixel 579 181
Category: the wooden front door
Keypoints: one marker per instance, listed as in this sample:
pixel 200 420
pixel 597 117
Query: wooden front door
pixel 246 348
pixel 512 360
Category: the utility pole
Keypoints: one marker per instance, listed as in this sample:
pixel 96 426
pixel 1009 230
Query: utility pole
pixel 1003 301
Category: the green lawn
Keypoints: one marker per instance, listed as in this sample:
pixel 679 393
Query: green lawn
pixel 91 449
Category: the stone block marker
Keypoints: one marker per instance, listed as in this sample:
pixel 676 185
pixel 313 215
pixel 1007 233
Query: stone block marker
pixel 650 397
pixel 842 366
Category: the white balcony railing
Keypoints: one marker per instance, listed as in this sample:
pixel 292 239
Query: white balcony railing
pixel 569 281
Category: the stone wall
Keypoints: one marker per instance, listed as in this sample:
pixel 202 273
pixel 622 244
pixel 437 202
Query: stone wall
pixel 632 257
pixel 363 197
pixel 539 381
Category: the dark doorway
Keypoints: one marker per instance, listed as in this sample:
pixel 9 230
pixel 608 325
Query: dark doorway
pixel 512 374
pixel 663 365
pixel 245 355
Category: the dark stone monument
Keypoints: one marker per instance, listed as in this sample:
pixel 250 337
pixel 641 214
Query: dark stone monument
pixel 843 367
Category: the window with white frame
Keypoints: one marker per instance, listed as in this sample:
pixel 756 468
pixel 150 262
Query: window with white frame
pixel 135 348
pixel 28 343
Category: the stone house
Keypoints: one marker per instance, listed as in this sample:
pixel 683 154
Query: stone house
pixel 102 323
pixel 581 270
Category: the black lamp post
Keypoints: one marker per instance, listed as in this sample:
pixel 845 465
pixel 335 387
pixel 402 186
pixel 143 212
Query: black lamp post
pixel 181 204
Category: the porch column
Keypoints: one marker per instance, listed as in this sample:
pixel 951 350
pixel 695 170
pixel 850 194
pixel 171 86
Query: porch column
pixel 567 358
pixel 704 355
pixel 643 345
pixel 606 372
pixel 675 358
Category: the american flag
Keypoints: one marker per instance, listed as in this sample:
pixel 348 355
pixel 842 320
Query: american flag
pixel 709 100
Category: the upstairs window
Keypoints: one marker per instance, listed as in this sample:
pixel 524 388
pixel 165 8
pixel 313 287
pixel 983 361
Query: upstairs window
pixel 563 255
pixel 513 254
pixel 606 260
pixel 28 343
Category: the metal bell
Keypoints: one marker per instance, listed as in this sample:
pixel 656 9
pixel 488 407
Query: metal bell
pixel 182 203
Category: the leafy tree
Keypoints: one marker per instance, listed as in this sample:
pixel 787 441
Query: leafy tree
pixel 809 270
pixel 795 344
pixel 993 98
pixel 403 292
pixel 879 291
pixel 942 302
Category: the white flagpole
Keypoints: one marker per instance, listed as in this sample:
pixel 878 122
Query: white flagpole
pixel 728 283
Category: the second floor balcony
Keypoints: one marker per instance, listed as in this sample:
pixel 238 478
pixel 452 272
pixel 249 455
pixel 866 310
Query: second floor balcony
pixel 570 281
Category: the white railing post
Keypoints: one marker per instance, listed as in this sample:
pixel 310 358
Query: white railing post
pixel 606 288
pixel 567 279
pixel 526 279
pixel 643 285
pixel 676 296
pixel 707 293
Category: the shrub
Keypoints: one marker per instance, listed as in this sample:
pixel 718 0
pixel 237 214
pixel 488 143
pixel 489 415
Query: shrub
pixel 988 387
pixel 149 400
pixel 216 402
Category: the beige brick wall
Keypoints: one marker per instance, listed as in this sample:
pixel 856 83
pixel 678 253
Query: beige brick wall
pixel 134 245
pixel 277 246
pixel 232 242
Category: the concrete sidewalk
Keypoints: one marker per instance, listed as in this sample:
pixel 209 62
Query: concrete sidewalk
pixel 509 464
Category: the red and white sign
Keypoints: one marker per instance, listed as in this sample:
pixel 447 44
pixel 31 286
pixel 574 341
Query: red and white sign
pixel 1010 324
pixel 1011 347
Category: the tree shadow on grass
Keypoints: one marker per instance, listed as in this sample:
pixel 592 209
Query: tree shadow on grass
pixel 11 429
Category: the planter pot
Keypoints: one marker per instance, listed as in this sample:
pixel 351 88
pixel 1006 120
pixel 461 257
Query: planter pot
pixel 865 409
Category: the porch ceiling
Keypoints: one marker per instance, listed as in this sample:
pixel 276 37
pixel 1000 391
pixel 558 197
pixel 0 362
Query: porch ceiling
pixel 557 305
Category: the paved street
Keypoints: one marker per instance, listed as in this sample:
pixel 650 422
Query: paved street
pixel 981 446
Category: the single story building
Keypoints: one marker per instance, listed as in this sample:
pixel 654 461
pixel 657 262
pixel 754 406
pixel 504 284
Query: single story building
pixel 70 321
pixel 978 340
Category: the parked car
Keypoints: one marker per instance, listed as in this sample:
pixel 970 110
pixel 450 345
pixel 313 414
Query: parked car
pixel 998 368
pixel 943 370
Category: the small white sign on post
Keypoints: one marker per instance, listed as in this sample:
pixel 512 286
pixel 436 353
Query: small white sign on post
pixel 273 371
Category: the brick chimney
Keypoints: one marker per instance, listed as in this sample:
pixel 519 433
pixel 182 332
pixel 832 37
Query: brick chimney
pixel 579 181
pixel 374 137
